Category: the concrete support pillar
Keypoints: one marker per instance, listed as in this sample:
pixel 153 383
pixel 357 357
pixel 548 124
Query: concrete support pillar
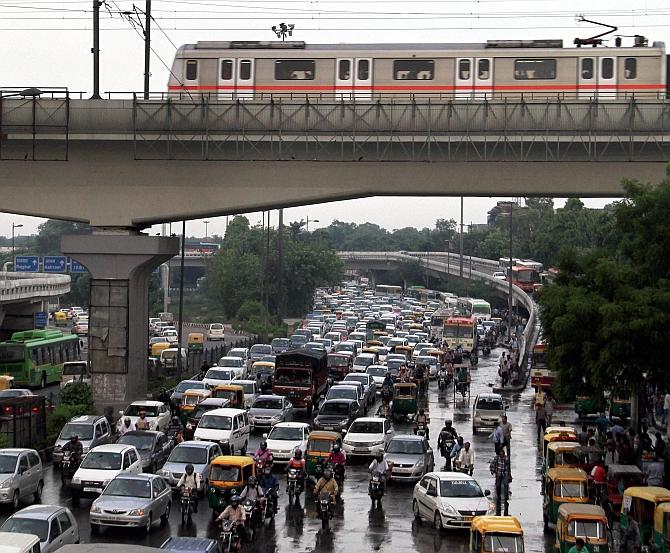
pixel 120 263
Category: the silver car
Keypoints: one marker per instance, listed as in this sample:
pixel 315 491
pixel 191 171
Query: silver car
pixel 54 525
pixel 21 475
pixel 269 410
pixel 198 454
pixel 410 457
pixel 136 500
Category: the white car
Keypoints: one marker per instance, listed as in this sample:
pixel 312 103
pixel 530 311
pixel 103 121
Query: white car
pixel 170 336
pixel 228 427
pixel 378 373
pixel 216 331
pixel 242 353
pixel 218 377
pixel 251 391
pixel 363 361
pixel 366 436
pixel 487 409
pixel 450 500
pixel 156 412
pixel 101 465
pixel 236 364
pixel 499 275
pixel 285 438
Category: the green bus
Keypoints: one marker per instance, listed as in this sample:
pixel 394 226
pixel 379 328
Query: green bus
pixel 36 357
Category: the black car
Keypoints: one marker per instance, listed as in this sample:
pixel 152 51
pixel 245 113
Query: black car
pixel 153 447
pixel 336 414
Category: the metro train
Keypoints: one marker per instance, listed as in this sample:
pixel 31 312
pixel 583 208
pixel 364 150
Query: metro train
pixel 242 70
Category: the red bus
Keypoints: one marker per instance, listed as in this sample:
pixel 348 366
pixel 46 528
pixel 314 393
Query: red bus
pixel 525 278
pixel 540 375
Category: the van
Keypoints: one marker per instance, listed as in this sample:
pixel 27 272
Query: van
pixel 75 371
pixel 228 427
pixel 169 357
pixel 93 430
pixel 13 542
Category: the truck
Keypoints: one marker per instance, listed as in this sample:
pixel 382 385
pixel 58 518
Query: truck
pixel 302 377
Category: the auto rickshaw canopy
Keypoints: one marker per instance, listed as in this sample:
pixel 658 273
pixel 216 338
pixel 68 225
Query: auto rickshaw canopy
pixel 582 511
pixel 491 523
pixel 654 494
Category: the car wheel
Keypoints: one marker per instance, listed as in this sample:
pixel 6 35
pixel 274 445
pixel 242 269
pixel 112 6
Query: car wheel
pixel 415 510
pixel 16 500
pixel 149 524
pixel 166 514
pixel 38 492
pixel 437 521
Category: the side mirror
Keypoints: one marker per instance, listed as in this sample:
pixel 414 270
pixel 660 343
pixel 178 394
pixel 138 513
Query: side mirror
pixel 487 493
pixel 389 431
pixel 121 413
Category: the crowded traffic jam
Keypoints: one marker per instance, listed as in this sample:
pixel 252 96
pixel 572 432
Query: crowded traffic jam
pixel 396 399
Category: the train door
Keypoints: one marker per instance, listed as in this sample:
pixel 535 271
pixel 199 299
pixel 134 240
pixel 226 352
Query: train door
pixel 484 78
pixel 586 83
pixel 464 78
pixel 363 79
pixel 344 79
pixel 226 86
pixel 245 78
pixel 607 87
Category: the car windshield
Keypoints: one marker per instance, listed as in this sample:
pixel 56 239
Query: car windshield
pixel 587 529
pixel 225 474
pixel 216 327
pixel 267 403
pixel 126 487
pixel 285 433
pixel 280 342
pixel 502 543
pixel 7 464
pixel 338 361
pixel 334 408
pixel 228 362
pixel 269 359
pixel 376 371
pixel 342 392
pixel 411 447
pixel 185 454
pixel 11 354
pixel 460 488
pixel 321 446
pixel 236 353
pixel 141 442
pixel 84 431
pixel 248 387
pixel 366 427
pixel 74 369
pixel 261 349
pixel 567 488
pixel 102 460
pixel 189 385
pixel 362 379
pixel 135 410
pixel 39 528
pixel 215 374
pixel 13 393
pixel 490 404
pixel 215 422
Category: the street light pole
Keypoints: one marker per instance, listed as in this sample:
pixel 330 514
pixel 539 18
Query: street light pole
pixel 206 227
pixel 307 223
pixel 147 48
pixel 461 246
pixel 13 245
pixel 181 298
pixel 509 278
pixel 96 49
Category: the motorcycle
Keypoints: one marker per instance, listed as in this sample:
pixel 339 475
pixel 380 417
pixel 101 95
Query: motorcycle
pixel 376 491
pixel 296 485
pixel 338 474
pixel 271 501
pixel 325 510
pixel 228 536
pixel 486 350
pixel 446 445
pixel 387 394
pixel 420 429
pixel 186 505
pixel 442 380
pixel 251 519
pixel 68 467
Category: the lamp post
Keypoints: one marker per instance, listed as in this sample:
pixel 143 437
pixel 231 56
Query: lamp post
pixel 206 227
pixel 13 245
pixel 509 277
pixel 307 223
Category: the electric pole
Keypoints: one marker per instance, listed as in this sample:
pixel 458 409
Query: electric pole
pixel 280 264
pixel 96 49
pixel 147 48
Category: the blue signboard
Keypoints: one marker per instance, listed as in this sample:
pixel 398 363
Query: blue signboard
pixel 27 263
pixel 41 319
pixel 55 263
pixel 76 267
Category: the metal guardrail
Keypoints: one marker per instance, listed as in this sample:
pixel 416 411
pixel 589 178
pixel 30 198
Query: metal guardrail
pixel 22 286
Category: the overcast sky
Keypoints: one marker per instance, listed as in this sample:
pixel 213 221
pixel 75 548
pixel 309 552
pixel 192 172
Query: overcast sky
pixel 48 43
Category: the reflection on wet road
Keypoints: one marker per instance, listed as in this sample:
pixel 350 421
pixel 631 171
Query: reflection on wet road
pixel 356 526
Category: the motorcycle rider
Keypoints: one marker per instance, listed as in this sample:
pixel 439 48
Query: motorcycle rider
pixel 337 458
pixel 253 491
pixel 297 463
pixel 124 426
pixel 235 513
pixel 190 480
pixel 442 374
pixel 379 466
pixel 263 453
pixel 175 430
pixel 455 451
pixel 388 381
pixel 76 450
pixel 327 484
pixel 269 484
pixel 421 418
pixel 384 409
pixel 447 434
pixel 142 423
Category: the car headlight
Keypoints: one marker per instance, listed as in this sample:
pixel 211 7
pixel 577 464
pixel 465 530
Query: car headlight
pixel 420 462
pixel 7 483
pixel 164 472
pixel 449 510
pixel 58 449
pixel 137 512
pixel 276 418
pixel 95 508
pixel 105 482
pixel 378 442
pixel 84 450
pixel 76 480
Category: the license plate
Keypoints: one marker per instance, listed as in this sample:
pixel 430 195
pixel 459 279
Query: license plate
pixel 329 428
pixel 96 490
pixel 360 450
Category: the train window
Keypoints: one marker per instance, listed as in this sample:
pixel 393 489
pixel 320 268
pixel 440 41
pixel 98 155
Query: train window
pixel 607 68
pixel 302 70
pixel 630 68
pixel 363 70
pixel 226 70
pixel 534 69
pixel 344 71
pixel 191 70
pixel 413 70
pixel 464 70
pixel 484 69
pixel 587 68
pixel 245 70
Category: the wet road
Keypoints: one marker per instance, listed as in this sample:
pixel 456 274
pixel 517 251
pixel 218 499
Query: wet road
pixel 356 524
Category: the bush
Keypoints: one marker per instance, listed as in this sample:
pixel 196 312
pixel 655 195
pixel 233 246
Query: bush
pixel 60 416
pixel 78 394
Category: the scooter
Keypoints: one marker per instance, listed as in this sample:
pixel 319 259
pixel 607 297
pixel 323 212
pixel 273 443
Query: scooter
pixel 376 491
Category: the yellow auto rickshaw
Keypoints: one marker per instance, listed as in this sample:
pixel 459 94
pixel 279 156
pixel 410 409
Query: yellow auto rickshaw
pixel 640 503
pixel 439 355
pixel 404 350
pixel 319 445
pixel 60 318
pixel 375 343
pixel 557 434
pixel 157 349
pixel 196 341
pixel 661 539
pixel 231 392
pixel 492 534
pixel 581 520
pixel 563 485
pixel 190 400
pixel 561 454
pixel 405 402
pixel 228 476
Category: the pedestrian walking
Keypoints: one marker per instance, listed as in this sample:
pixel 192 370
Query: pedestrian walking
pixel 507 434
pixel 666 408
pixel 497 437
pixel 501 470
pixel 540 419
pixel 583 436
pixel 504 372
